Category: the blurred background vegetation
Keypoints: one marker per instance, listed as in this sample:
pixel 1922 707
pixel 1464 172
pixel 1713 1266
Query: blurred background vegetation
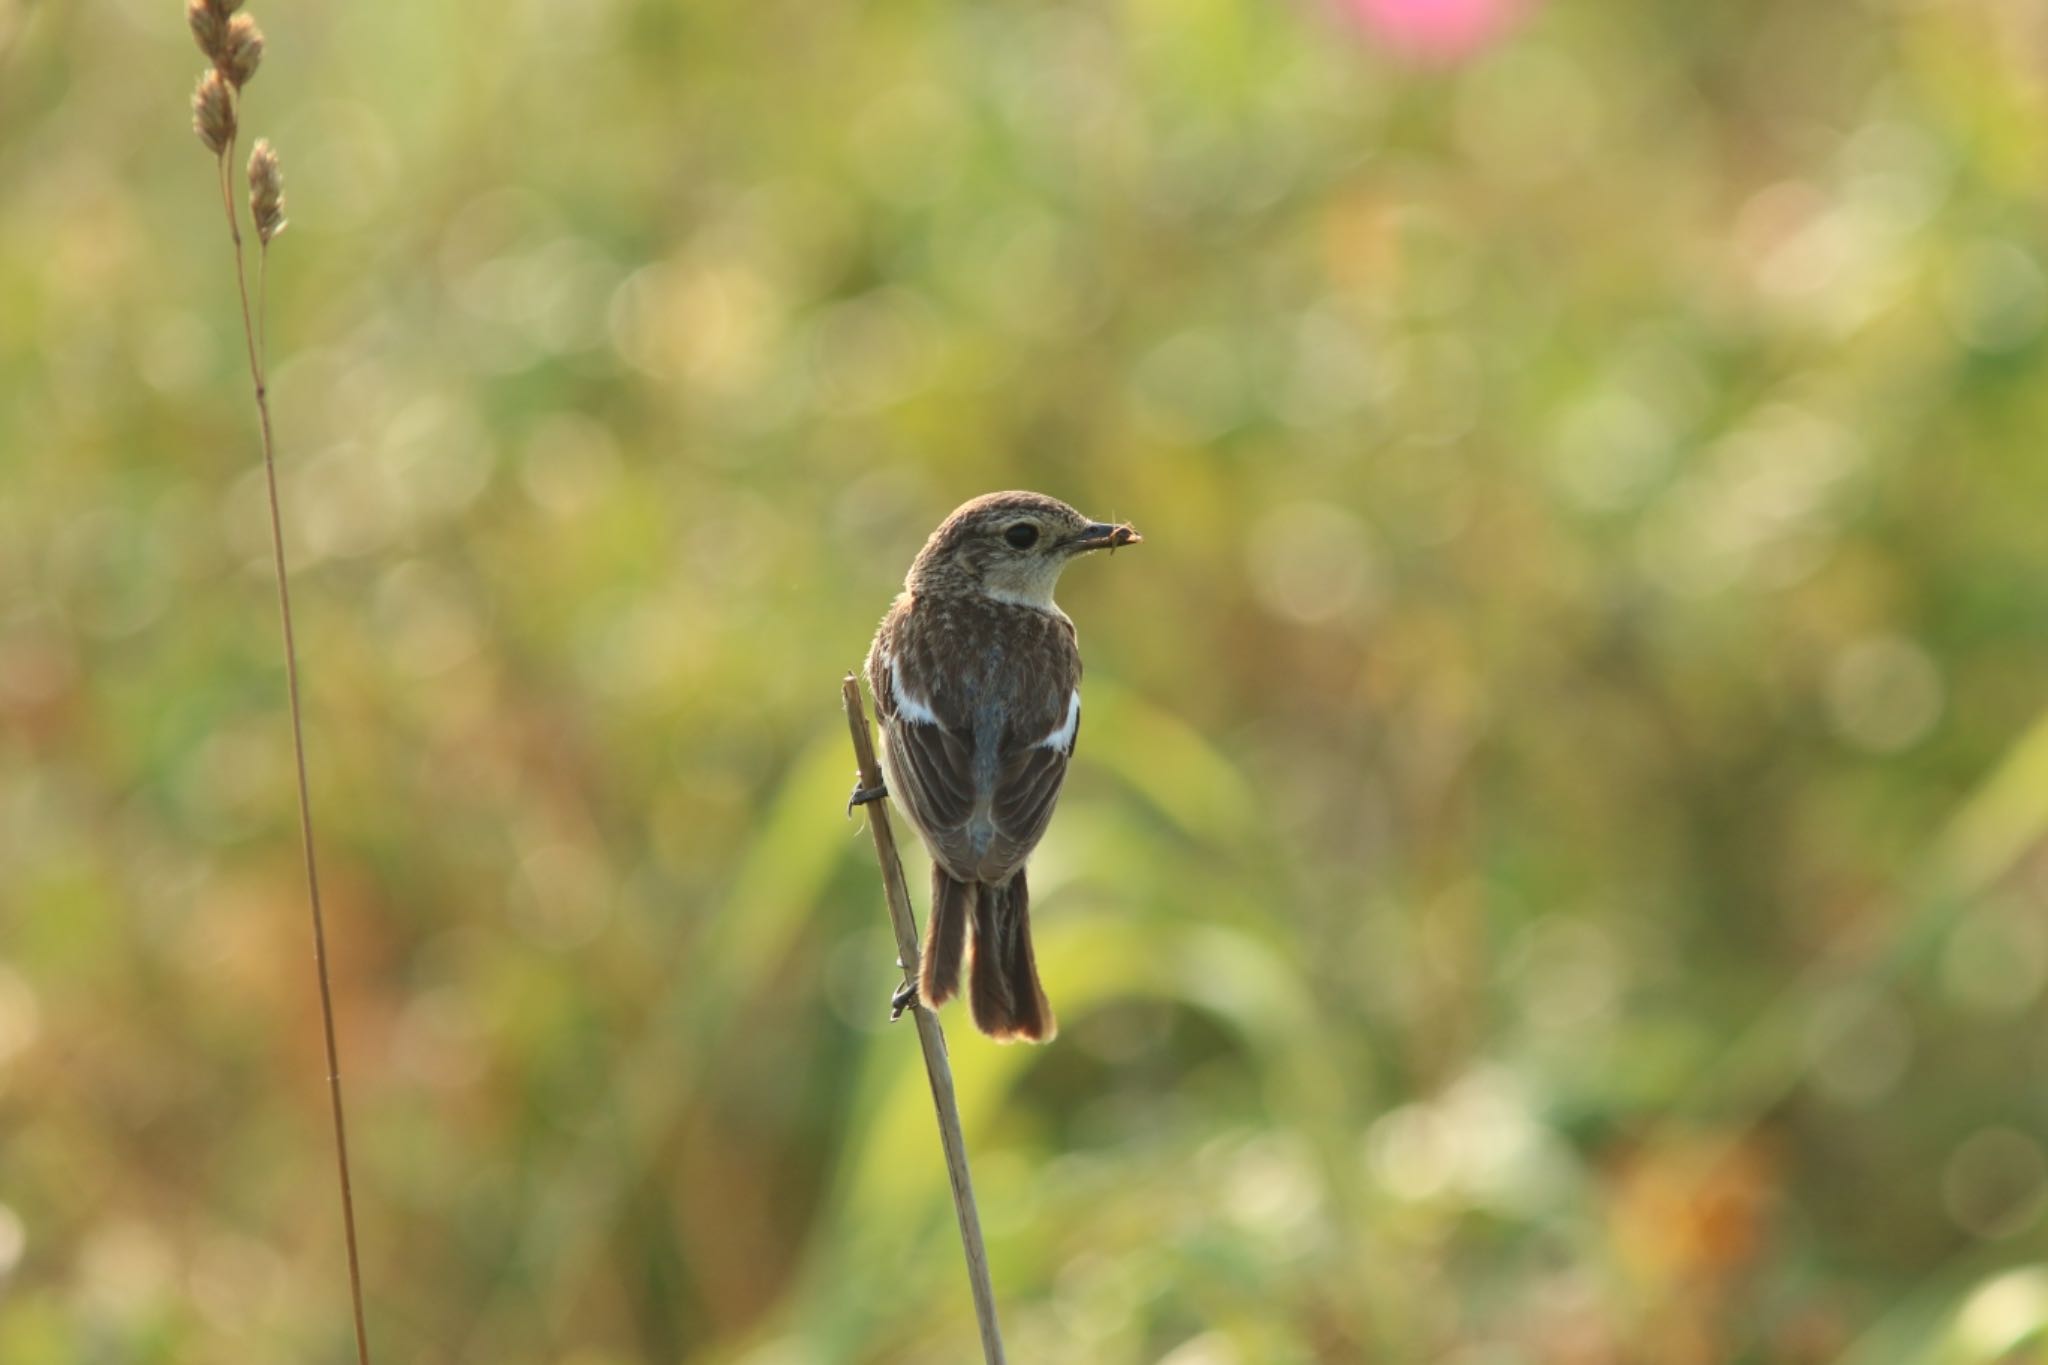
pixel 1554 870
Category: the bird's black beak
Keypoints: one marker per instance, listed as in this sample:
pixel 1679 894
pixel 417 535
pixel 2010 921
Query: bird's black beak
pixel 1099 535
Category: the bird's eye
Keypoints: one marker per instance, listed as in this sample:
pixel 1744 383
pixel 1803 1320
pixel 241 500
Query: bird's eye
pixel 1023 535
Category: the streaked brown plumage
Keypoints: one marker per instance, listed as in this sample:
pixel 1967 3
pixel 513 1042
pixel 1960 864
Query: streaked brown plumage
pixel 976 675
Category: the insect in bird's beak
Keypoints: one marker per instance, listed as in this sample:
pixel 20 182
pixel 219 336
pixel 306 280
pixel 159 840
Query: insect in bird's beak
pixel 1103 536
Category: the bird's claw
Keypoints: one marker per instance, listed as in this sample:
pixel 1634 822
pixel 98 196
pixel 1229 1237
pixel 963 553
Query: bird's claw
pixel 862 795
pixel 903 999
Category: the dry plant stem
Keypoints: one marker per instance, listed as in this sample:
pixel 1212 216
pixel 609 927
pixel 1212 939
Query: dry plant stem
pixel 291 674
pixel 937 1069
pixel 263 327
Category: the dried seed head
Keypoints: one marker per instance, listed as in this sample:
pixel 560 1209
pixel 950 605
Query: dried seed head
pixel 266 191
pixel 209 28
pixel 224 8
pixel 242 50
pixel 213 113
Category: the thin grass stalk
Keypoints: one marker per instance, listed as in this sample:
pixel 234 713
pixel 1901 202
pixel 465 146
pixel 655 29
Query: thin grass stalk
pixel 933 1039
pixel 236 63
pixel 291 674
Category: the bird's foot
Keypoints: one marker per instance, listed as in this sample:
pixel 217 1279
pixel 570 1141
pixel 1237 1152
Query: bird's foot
pixel 904 998
pixel 862 795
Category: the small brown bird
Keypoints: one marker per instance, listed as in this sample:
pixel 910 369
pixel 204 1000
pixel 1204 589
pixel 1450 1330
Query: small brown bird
pixel 977 678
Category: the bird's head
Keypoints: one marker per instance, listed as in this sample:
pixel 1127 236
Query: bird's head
pixel 1010 546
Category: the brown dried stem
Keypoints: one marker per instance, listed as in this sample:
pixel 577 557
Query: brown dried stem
pixel 937 1069
pixel 224 157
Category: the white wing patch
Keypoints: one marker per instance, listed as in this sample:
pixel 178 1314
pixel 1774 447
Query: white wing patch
pixel 1063 738
pixel 910 708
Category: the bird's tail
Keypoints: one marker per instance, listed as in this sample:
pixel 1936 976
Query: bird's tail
pixel 945 938
pixel 1003 989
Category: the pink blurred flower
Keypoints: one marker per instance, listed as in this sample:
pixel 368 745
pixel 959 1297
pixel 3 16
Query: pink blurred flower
pixel 1436 30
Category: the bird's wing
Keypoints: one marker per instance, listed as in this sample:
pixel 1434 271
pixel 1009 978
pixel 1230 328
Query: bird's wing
pixel 930 752
pixel 1043 723
pixel 978 832
pixel 1032 767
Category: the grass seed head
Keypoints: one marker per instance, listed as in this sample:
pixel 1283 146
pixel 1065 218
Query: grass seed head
pixel 213 112
pixel 242 50
pixel 209 28
pixel 266 191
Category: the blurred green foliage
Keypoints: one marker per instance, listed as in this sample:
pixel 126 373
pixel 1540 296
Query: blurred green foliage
pixel 1554 870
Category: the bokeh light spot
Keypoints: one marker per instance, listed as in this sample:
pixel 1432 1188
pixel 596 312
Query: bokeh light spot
pixel 1312 563
pixel 1857 1043
pixel 20 1015
pixel 1191 386
pixel 1996 960
pixel 569 463
pixel 1437 31
pixel 1884 694
pixel 1995 1184
pixel 13 1240
pixel 2002 1312
pixel 1995 296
